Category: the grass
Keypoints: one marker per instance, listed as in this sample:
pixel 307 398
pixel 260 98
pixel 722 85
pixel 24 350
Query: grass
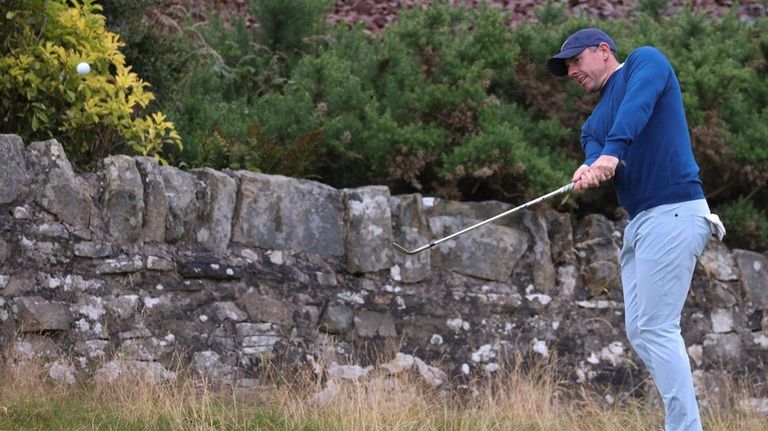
pixel 513 399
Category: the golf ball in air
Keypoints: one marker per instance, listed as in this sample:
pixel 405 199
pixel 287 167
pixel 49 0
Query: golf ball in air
pixel 83 68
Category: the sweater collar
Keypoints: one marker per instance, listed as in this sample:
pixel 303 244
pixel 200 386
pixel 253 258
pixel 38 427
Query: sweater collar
pixel 610 78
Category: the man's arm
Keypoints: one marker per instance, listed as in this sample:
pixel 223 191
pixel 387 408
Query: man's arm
pixel 648 74
pixel 591 146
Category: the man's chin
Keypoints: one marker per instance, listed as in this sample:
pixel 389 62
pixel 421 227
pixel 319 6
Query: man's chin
pixel 585 85
pixel 590 88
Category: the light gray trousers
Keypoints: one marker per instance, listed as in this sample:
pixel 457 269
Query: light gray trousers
pixel 660 249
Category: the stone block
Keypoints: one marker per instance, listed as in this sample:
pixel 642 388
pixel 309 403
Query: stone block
pixel 601 277
pixel 489 252
pixel 718 262
pixel 56 188
pixel 368 241
pixel 122 198
pixel 155 200
pixel 122 307
pixel 119 265
pixel 38 346
pixel 410 229
pixel 599 255
pixel 209 365
pixel 276 212
pixel 13 175
pixel 544 274
pixel 4 251
pixel 93 249
pixel 144 349
pixel 157 263
pixel 208 267
pixel 133 370
pixel 227 310
pixel 36 314
pixel 753 268
pixel 261 308
pixel 92 350
pixel 720 294
pixel 723 348
pixel 336 318
pixel 182 190
pixel 371 324
pixel 560 231
pixel 722 320
pixel 257 338
pixel 217 210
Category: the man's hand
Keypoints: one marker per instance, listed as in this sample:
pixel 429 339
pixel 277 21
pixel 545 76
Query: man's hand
pixel 603 169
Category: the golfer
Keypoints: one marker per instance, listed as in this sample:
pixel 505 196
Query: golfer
pixel 640 120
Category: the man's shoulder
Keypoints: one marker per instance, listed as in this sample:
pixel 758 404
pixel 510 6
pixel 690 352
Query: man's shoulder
pixel 645 52
pixel 648 58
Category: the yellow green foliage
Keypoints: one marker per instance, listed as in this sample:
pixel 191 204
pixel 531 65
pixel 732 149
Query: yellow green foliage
pixel 43 96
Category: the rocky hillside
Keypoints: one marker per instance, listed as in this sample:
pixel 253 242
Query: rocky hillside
pixel 378 14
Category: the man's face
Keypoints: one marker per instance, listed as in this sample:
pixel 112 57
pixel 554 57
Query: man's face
pixel 588 68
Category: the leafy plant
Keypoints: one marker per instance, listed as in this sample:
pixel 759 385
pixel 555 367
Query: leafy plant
pixel 287 27
pixel 259 152
pixel 153 45
pixel 43 96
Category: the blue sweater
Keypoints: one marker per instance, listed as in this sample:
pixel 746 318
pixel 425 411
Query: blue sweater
pixel 640 120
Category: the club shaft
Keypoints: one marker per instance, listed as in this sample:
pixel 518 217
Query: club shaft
pixel 564 189
pixel 561 190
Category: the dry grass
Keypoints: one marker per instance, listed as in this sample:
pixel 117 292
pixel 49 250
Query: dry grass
pixel 513 399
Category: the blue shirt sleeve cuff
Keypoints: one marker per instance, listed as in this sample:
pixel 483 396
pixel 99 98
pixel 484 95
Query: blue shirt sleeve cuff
pixel 615 150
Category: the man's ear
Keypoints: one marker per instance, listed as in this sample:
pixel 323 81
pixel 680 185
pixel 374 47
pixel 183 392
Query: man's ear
pixel 605 50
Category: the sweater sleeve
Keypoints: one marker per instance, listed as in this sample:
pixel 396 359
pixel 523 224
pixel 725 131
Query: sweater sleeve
pixel 648 73
pixel 590 144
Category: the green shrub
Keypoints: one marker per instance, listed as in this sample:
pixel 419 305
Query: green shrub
pixel 43 96
pixel 161 58
pixel 287 27
pixel 747 225
pixel 238 70
pixel 420 107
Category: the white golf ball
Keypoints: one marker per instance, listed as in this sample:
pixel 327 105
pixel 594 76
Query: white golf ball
pixel 83 68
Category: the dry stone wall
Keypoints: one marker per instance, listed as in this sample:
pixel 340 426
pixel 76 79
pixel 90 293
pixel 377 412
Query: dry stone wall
pixel 135 265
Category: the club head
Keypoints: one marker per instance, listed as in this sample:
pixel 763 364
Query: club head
pixel 402 249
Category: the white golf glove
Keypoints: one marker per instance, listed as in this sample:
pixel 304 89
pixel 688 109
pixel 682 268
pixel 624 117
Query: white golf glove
pixel 716 226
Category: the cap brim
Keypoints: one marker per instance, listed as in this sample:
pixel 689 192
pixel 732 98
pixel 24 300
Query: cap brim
pixel 556 64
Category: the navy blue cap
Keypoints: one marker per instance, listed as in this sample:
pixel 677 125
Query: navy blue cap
pixel 576 43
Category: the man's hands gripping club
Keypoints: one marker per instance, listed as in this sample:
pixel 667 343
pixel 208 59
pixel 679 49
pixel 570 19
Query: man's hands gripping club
pixel 603 169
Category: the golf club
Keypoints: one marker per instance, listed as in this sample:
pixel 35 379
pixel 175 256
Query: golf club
pixel 561 190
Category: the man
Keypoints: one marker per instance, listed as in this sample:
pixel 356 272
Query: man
pixel 640 121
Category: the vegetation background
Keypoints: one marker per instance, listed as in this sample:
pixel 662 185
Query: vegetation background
pixel 443 98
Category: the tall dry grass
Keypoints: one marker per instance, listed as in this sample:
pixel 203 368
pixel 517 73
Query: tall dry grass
pixel 516 398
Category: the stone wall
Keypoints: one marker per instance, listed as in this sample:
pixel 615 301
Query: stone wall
pixel 137 264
